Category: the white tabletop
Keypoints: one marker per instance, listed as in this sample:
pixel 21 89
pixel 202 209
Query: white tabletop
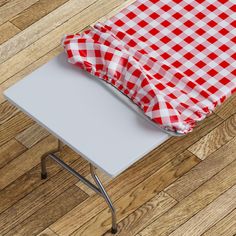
pixel 84 114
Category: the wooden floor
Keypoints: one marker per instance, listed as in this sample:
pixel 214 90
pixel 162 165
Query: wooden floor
pixel 187 186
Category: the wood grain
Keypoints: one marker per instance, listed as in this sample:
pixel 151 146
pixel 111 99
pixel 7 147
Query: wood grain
pixel 27 202
pixel 38 30
pixel 11 8
pixel 41 196
pixel 13 126
pixel 202 172
pixel 54 210
pixel 47 232
pixel 35 12
pixel 53 38
pixel 9 151
pixel 225 227
pixel 114 11
pixel 105 179
pixel 128 203
pixel 3 2
pixel 9 31
pixel 7 111
pixel 29 137
pixel 136 174
pixel 144 215
pixel 228 108
pixel 207 217
pixel 193 203
pixel 215 139
pixel 31 67
pixel 31 180
pixel 25 162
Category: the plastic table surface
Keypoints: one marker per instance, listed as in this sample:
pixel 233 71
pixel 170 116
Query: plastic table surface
pixel 85 114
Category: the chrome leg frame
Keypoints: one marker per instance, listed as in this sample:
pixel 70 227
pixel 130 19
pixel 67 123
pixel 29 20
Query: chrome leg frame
pixel 97 187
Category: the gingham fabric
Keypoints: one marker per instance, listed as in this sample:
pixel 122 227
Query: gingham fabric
pixel 175 59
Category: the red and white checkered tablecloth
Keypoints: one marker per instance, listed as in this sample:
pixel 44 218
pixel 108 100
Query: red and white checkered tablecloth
pixel 175 59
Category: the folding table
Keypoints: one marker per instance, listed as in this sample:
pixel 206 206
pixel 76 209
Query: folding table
pixel 85 114
pixel 175 59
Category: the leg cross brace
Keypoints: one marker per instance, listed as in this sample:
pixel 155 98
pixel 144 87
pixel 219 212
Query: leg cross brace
pixel 97 187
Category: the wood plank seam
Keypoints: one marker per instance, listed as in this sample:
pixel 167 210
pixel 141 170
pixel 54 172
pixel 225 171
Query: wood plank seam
pixel 159 215
pixel 206 233
pixel 201 173
pixel 29 64
pixel 145 161
pixel 15 156
pixel 46 38
pixel 51 199
pixel 219 197
pixel 30 7
pixel 227 108
pixel 221 121
pixel 5 232
pixel 221 117
pixel 34 175
pixel 53 231
pixel 15 26
pixel 34 143
pixel 36 60
pixel 204 182
pixel 174 167
pixel 42 181
pixel 12 122
pixel 192 193
pixel 220 220
pixel 144 205
pixel 211 131
pixel 169 194
pixel 10 30
pixel 19 136
pixel 5 108
pixel 27 70
pixel 47 232
pixel 41 36
pixel 13 4
pixel 3 2
pixel 212 152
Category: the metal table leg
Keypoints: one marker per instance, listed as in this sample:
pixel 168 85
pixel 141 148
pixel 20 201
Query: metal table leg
pixel 106 197
pixel 97 187
pixel 45 155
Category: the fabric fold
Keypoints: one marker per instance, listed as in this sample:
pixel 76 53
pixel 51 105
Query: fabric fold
pixel 103 55
pixel 175 69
